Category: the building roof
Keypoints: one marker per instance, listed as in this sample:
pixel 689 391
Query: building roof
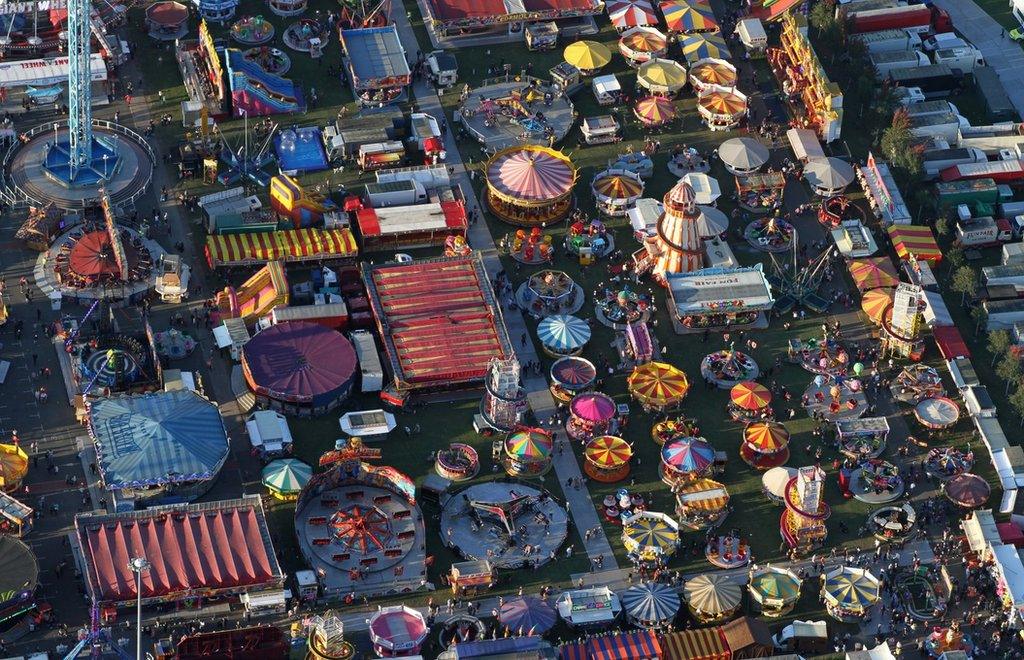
pixel 714 290
pixel 438 319
pixel 215 546
pixel 745 632
pixel 157 438
pixel 490 11
pixel 374 54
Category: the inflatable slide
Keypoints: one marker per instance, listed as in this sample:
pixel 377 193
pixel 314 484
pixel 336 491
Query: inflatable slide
pixel 260 294
pixel 255 93
pixel 292 201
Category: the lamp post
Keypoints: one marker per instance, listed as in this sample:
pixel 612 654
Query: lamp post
pixel 137 566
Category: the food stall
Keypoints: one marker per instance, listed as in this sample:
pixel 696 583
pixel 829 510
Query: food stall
pixel 471 577
pixel 601 129
pixel 541 35
pixel 760 193
pixel 596 607
pixel 16 517
pixel 607 89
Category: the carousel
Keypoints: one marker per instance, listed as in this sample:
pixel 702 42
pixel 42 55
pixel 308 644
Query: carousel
pixel 607 458
pixel 688 160
pixel 642 43
pixel 874 481
pixel 617 308
pixel 721 108
pixel 621 505
pixel 863 438
pixel 661 77
pixel 802 524
pixel 587 56
pixel 686 459
pixel 591 414
pixel 916 383
pixel 770 233
pixel 937 412
pixel 712 597
pixel 750 401
pixel 90 262
pixel 877 304
pixel 944 463
pixel 591 239
pixel 765 445
pixel 13 467
pixel 657 385
pixel 285 478
pixel 702 504
pixel 655 111
pixel 509 523
pixel 530 185
pixel 826 356
pixel 305 36
pixel 968 490
pixel 531 248
pixel 460 629
pixel 397 631
pixel 526 452
pixel 669 429
pixel 835 399
pixel 458 463
pixel 712 73
pixel 850 593
pixel 727 551
pixel 287 8
pixel 837 209
pixel 252 31
pixel 775 590
pixel 563 335
pixel 743 156
pixel 550 293
pixel 892 523
pixel 728 368
pixel 774 483
pixel 571 376
pixel 873 273
pixel 616 191
pixel 650 604
pixel 271 60
pixel 650 537
pixel 527 615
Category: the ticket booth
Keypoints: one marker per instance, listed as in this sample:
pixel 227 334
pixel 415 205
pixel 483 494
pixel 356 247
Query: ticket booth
pixel 471 577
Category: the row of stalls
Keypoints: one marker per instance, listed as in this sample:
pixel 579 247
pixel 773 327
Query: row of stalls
pixel 995 546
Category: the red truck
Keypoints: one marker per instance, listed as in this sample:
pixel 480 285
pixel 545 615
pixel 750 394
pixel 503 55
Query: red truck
pixel 913 17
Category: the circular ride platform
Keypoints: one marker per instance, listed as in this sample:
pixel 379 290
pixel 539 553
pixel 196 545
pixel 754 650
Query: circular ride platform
pixel 26 170
pixel 475 530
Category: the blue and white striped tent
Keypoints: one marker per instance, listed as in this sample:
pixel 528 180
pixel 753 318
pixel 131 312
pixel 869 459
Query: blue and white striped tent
pixel 650 603
pixel 563 333
pixel 157 438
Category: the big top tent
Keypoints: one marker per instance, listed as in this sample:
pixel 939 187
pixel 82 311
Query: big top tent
pixel 300 362
pixel 873 273
pixel 915 240
pixel 703 46
pixel 157 439
pixel 631 13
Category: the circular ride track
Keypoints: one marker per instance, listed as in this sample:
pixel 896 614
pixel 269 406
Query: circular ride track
pixel 23 170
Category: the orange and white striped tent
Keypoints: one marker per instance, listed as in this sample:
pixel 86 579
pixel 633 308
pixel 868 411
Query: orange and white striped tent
pixel 696 644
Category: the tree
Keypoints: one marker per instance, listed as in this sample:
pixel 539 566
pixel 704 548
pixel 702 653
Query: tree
pixel 1010 372
pixel 980 316
pixel 955 257
pixel 1017 403
pixel 998 344
pixel 943 226
pixel 823 16
pixel 965 282
pixel 900 147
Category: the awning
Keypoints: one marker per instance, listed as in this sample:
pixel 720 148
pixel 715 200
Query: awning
pixel 1009 567
pixel 698 644
pixel 935 311
pixel 915 240
pixel 951 344
pixel 294 245
pixel 804 143
pixel 980 529
pixel 638 645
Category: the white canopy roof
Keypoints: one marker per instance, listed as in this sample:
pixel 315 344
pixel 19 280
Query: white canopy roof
pixel 1008 565
pixel 980 529
pixel 50 71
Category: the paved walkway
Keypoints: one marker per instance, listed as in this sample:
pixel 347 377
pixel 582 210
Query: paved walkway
pixel 1001 53
pixel 566 466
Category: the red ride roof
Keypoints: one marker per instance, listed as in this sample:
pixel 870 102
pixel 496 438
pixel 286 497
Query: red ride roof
pixel 951 344
pixel 452 10
pixel 440 320
pixel 219 545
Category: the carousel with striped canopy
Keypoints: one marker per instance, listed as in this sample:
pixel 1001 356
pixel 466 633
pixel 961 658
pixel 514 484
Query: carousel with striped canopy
pixel 607 458
pixel 530 185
